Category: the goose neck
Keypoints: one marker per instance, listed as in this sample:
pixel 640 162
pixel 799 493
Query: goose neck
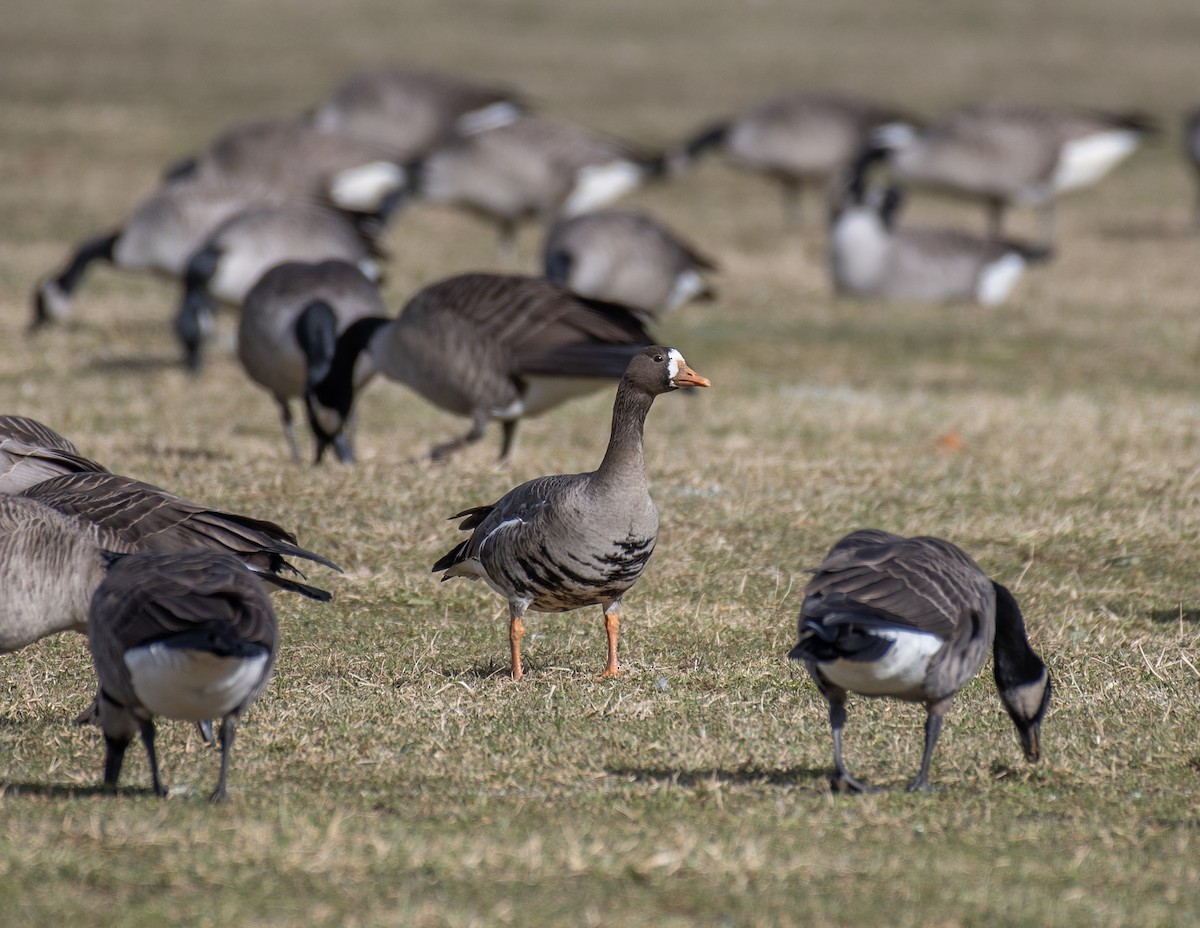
pixel 624 460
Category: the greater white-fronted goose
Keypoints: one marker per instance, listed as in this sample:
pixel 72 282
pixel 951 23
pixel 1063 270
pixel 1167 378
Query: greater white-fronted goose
pixel 187 636
pixel 871 257
pixel 250 243
pixel 159 237
pixel 414 109
pixel 626 257
pixel 148 518
pixel 50 565
pixel 1012 155
pixel 486 346
pixel 802 138
pixel 1191 151
pixel 31 452
pixel 288 330
pixel 530 168
pixel 573 540
pixel 913 619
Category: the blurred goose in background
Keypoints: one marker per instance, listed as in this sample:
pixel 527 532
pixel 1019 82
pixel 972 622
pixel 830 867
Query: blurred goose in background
pixel 250 243
pixel 486 346
pixel 871 258
pixel 414 109
pixel 626 257
pixel 148 518
pixel 1191 150
pixel 1011 155
pixel 802 138
pixel 31 452
pixel 573 540
pixel 187 636
pixel 288 331
pixel 159 236
pixel 50 565
pixel 913 619
pixel 530 168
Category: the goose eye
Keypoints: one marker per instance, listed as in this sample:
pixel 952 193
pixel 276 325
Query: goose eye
pixel 658 358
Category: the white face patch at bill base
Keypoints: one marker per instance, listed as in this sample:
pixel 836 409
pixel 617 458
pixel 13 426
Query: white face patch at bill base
pixel 192 685
pixel 900 672
pixel 1084 161
pixel 364 188
pixel 674 361
pixel 599 184
pixel 998 278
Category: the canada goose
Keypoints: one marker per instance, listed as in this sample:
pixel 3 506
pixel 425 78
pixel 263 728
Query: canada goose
pixel 805 137
pixel 413 109
pixel 50 565
pixel 626 257
pixel 488 346
pixel 870 257
pixel 288 330
pixel 159 236
pixel 248 244
pixel 573 540
pixel 148 518
pixel 530 168
pixel 913 618
pixel 187 636
pixel 1191 149
pixel 1007 155
pixel 31 452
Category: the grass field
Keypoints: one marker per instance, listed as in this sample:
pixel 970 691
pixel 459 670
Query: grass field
pixel 393 775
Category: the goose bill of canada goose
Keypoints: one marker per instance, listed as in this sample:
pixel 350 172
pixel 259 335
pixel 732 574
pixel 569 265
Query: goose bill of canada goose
pixel 559 543
pixel 31 452
pixel 288 330
pixel 147 518
pixel 913 619
pixel 184 636
pixel 486 346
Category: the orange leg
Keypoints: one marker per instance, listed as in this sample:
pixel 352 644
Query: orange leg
pixel 612 628
pixel 516 631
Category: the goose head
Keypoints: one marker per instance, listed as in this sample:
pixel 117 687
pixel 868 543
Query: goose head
pixel 1022 678
pixel 1026 702
pixel 658 369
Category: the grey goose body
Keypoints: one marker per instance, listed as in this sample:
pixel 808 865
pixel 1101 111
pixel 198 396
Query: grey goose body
pixel 485 346
pixel 188 636
pixel 558 543
pixel 626 257
pixel 148 518
pixel 914 619
pixel 288 329
pixel 31 452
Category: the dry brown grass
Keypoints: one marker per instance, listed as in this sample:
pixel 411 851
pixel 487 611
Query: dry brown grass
pixel 392 775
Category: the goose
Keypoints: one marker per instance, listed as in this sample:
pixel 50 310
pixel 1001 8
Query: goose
pixel 188 636
pixel 530 168
pixel 913 618
pixel 1011 154
pixel 31 452
pixel 798 139
pixel 1191 150
pixel 288 330
pixel 870 257
pixel 159 237
pixel 626 257
pixel 251 242
pixel 413 109
pixel 50 565
pixel 558 543
pixel 148 518
pixel 487 346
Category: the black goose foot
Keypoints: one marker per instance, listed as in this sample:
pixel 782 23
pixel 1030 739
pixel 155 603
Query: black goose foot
pixel 844 783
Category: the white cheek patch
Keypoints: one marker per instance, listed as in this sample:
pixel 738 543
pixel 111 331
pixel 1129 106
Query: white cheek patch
pixel 674 359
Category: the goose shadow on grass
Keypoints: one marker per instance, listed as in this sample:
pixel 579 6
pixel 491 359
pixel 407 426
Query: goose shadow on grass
pixel 745 775
pixel 1174 616
pixel 67 791
pixel 133 364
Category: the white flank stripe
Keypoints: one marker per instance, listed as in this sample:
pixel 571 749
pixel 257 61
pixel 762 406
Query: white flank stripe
pixel 191 685
pixel 364 188
pixel 900 672
pixel 998 278
pixel 1084 161
pixel 598 184
pixel 492 116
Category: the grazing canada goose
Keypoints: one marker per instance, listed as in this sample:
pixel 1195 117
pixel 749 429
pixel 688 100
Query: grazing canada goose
pixel 413 109
pixel 870 257
pixel 288 331
pixel 563 542
pixel 248 244
pixel 50 565
pixel 530 168
pixel 913 618
pixel 1007 155
pixel 806 137
pixel 1191 149
pixel 31 452
pixel 161 234
pixel 626 257
pixel 148 518
pixel 187 636
pixel 488 346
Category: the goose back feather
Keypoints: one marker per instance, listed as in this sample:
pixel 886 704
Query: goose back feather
pixel 31 452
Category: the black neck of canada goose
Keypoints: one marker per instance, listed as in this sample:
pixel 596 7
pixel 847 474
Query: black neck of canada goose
pixel 95 249
pixel 1021 676
pixel 329 400
pixel 316 333
pixel 193 322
